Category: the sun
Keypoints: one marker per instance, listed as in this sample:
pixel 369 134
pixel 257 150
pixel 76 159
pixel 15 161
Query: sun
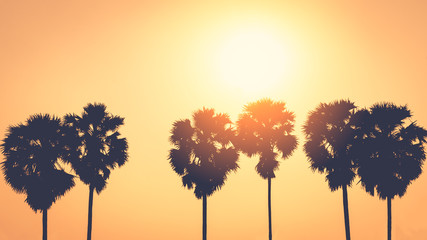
pixel 252 60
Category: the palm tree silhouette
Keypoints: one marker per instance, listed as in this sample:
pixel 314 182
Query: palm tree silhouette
pixel 32 152
pixel 265 129
pixel 203 154
pixel 100 149
pixel 330 132
pixel 392 152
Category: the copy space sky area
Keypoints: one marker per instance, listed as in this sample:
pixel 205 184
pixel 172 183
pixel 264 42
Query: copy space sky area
pixel 155 62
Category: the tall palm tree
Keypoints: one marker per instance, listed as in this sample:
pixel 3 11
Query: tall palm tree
pixel 392 152
pixel 32 152
pixel 101 149
pixel 203 154
pixel 265 129
pixel 330 132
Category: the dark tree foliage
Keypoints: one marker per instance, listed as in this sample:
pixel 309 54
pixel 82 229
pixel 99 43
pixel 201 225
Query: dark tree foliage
pixel 265 129
pixel 100 146
pixel 391 150
pixel 330 131
pixel 203 153
pixel 33 151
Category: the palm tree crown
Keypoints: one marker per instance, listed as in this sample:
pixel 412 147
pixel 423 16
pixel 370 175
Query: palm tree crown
pixel 265 129
pixel 330 134
pixel 101 148
pixel 203 154
pixel 392 151
pixel 32 152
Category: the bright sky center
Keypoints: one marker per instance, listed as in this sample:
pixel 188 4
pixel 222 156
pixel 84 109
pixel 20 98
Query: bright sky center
pixel 252 60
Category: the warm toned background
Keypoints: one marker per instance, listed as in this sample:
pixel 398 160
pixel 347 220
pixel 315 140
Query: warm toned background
pixel 154 62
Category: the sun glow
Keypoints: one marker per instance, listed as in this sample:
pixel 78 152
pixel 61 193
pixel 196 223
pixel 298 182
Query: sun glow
pixel 253 60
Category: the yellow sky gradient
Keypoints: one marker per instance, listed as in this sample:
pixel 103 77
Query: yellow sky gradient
pixel 154 62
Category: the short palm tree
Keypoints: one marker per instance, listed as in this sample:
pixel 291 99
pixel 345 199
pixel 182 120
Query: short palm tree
pixel 203 154
pixel 265 129
pixel 101 149
pixel 330 132
pixel 392 152
pixel 32 151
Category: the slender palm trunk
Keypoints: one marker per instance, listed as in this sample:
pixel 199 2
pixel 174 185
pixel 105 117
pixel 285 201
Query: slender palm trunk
pixel 346 216
pixel 270 236
pixel 204 217
pixel 89 218
pixel 44 224
pixel 388 218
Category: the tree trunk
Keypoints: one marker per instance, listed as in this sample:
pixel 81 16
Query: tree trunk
pixel 44 224
pixel 270 236
pixel 89 218
pixel 346 216
pixel 388 218
pixel 204 217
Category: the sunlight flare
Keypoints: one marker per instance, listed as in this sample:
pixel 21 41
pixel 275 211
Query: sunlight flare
pixel 253 60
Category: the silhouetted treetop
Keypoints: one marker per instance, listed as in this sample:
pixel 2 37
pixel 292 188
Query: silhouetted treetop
pixel 33 151
pixel 265 128
pixel 101 148
pixel 331 132
pixel 203 153
pixel 391 150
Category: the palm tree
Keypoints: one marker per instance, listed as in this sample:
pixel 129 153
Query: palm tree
pixel 330 132
pixel 392 152
pixel 203 154
pixel 100 149
pixel 265 129
pixel 32 152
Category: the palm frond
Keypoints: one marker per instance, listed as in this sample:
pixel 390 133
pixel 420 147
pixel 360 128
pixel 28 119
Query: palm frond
pixel 179 160
pixel 286 145
pixel 182 131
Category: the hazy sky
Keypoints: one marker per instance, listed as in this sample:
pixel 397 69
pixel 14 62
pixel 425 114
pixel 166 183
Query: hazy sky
pixel 154 62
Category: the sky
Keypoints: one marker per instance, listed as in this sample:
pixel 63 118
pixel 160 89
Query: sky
pixel 155 62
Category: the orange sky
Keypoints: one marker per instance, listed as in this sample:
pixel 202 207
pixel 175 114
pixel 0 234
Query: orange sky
pixel 154 63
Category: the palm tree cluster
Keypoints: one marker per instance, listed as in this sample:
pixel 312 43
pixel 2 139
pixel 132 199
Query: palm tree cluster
pixel 379 145
pixel 36 151
pixel 206 151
